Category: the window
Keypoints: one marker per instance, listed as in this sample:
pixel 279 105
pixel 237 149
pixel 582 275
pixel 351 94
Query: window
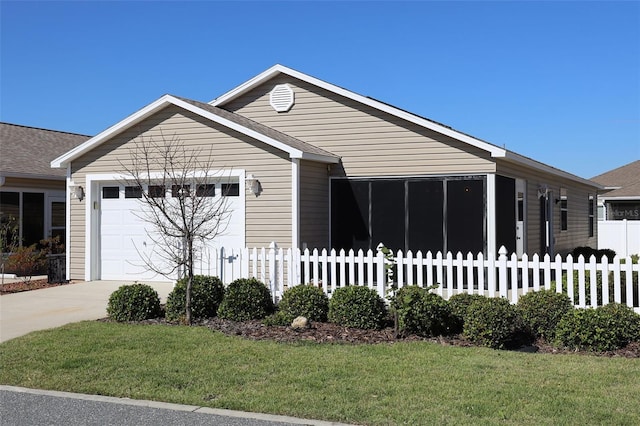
pixel 26 211
pixel 132 192
pixel 156 191
pixel 231 189
pixel 206 190
pixel 110 192
pixel 564 211
pixel 591 215
pixel 180 190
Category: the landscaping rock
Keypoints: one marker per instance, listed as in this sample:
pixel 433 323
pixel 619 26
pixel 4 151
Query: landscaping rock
pixel 300 323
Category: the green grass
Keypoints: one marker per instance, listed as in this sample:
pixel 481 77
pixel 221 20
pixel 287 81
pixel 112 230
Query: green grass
pixel 402 383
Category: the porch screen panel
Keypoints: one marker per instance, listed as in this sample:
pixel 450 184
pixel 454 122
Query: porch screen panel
pixel 350 214
pixel 506 213
pixel 425 230
pixel 388 214
pixel 465 216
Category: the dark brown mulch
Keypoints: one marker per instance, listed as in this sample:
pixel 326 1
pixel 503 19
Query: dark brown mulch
pixel 19 286
pixel 327 333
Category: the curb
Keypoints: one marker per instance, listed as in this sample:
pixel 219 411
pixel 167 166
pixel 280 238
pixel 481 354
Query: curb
pixel 174 407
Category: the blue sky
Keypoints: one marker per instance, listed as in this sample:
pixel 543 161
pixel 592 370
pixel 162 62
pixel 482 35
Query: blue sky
pixel 555 81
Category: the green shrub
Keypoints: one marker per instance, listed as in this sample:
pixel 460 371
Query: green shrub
pixel 587 252
pixel 357 307
pixel 304 300
pixel 422 313
pixel 542 310
pixel 206 295
pixel 134 302
pixel 246 299
pixel 459 304
pixel 277 318
pixel 605 328
pixel 495 323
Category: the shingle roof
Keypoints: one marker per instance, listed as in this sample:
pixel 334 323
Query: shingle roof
pixel 258 127
pixel 28 151
pixel 624 181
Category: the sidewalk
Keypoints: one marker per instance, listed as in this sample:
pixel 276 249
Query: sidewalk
pixel 22 313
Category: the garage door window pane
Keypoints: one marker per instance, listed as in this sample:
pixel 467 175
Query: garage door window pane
pixel 110 192
pixel 180 190
pixel 132 192
pixel 156 191
pixel 231 189
pixel 207 190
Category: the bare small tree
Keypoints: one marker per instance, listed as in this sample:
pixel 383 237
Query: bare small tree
pixel 180 224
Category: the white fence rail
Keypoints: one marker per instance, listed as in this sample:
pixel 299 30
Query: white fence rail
pixel 622 236
pixel 588 283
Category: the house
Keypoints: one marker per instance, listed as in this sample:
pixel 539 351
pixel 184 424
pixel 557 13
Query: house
pixel 30 190
pixel 619 209
pixel 336 169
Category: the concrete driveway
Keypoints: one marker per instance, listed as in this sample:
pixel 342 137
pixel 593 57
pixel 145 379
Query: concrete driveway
pixel 22 313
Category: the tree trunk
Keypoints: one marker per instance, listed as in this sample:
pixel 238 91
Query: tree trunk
pixel 189 265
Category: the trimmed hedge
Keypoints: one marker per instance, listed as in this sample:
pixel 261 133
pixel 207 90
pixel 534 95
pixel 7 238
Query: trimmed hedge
pixel 207 293
pixel 542 310
pixel 357 307
pixel 459 304
pixel 495 323
pixel 422 313
pixel 134 302
pixel 605 328
pixel 246 299
pixel 304 300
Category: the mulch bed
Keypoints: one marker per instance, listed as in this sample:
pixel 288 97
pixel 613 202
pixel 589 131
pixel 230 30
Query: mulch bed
pixel 19 286
pixel 328 333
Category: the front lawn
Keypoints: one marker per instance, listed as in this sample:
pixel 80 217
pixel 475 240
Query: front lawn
pixel 400 383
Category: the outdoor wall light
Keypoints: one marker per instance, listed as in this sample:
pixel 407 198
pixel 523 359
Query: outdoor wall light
pixel 253 184
pixel 78 192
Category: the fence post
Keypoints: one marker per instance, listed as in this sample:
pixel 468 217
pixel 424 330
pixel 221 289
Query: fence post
pixel 273 270
pixel 502 271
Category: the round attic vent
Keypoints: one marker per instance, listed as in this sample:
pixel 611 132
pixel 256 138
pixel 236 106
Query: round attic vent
pixel 281 98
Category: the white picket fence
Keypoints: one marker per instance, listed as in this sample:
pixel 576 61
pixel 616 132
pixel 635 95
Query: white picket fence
pixel 586 282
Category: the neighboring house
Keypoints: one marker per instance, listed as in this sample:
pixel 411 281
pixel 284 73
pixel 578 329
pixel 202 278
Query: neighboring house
pixel 336 170
pixel 30 190
pixel 618 203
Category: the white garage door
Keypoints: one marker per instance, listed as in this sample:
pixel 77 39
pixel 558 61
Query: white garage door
pixel 125 237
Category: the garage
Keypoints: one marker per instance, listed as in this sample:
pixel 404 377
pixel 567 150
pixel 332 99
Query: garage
pixel 126 238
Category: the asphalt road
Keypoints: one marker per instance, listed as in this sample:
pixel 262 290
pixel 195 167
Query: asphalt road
pixel 29 407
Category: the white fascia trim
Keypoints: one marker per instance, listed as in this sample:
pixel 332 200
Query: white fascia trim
pixel 517 158
pixel 134 118
pixel 276 69
pixel 621 198
pixel 293 152
pixel 153 107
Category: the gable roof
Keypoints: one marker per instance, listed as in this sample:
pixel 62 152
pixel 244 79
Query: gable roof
pixel 294 147
pixel 622 182
pixel 494 150
pixel 27 151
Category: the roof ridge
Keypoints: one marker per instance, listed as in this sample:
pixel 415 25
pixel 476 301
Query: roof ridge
pixel 42 128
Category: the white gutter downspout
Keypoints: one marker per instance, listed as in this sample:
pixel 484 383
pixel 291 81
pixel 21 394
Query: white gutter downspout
pixel 67 224
pixel 295 203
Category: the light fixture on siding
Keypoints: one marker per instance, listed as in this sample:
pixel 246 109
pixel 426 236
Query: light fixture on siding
pixel 253 184
pixel 77 191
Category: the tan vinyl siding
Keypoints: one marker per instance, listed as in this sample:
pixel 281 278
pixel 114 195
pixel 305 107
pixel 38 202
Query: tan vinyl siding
pixel 314 205
pixel 268 216
pixel 369 141
pixel 577 233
